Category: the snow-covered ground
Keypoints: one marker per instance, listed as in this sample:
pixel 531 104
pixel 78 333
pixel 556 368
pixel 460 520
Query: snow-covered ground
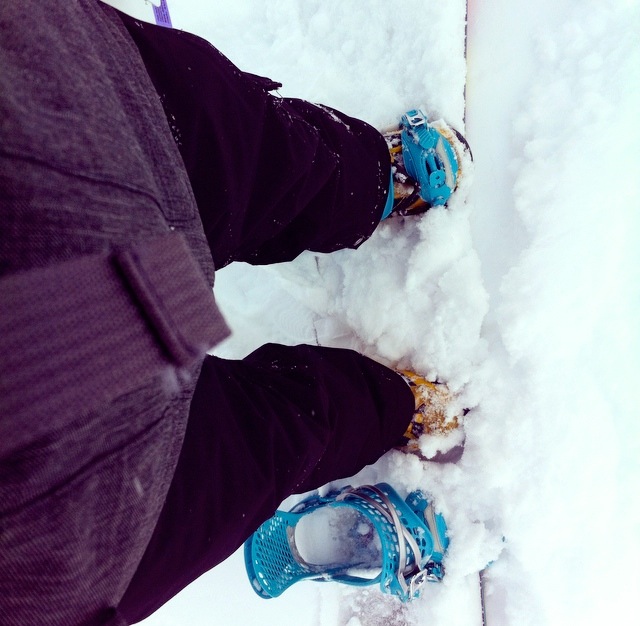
pixel 524 295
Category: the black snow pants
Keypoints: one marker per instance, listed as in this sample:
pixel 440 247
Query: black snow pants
pixel 114 134
pixel 272 177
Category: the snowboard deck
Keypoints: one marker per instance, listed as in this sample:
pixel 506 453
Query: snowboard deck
pixel 371 608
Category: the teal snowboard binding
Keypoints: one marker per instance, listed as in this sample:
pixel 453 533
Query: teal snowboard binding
pixel 427 158
pixel 398 544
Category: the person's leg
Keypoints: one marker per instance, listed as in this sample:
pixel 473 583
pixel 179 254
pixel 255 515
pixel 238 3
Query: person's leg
pixel 284 420
pixel 272 176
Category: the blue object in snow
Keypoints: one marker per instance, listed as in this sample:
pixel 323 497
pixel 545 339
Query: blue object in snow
pixel 429 158
pixel 412 538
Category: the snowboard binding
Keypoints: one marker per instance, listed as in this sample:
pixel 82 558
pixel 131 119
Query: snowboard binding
pixel 409 535
pixel 426 162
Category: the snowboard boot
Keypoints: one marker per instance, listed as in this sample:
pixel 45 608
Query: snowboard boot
pixel 427 159
pixel 431 417
pixel 381 539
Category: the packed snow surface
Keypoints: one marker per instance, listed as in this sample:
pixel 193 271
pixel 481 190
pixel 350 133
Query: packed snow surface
pixel 524 295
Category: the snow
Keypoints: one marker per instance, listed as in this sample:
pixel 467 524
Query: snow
pixel 524 295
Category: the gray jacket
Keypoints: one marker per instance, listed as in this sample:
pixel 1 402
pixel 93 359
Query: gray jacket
pixel 94 200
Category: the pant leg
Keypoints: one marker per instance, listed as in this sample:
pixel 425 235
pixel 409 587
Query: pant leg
pixel 284 420
pixel 272 176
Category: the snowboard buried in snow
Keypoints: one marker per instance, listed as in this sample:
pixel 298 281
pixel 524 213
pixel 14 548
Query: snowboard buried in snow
pixel 370 608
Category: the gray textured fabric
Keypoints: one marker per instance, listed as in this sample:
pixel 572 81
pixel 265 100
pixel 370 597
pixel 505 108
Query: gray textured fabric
pixel 75 336
pixel 87 163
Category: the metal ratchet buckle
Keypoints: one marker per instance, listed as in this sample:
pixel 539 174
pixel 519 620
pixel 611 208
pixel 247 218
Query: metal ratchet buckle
pixel 416 118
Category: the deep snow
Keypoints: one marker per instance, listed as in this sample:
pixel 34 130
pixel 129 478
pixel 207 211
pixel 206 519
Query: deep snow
pixel 524 295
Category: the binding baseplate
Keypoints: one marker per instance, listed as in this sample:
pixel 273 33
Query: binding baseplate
pixel 412 539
